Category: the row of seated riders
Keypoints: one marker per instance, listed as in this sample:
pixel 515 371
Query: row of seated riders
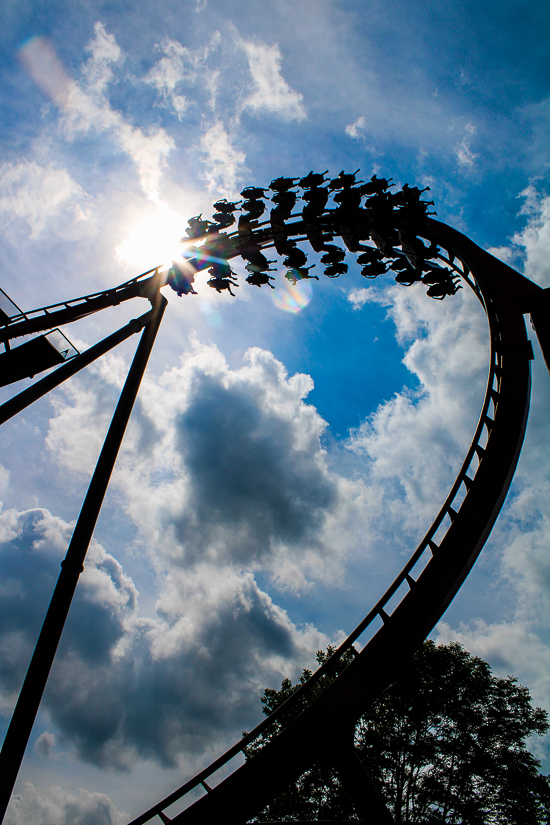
pixel 438 279
pixel 410 268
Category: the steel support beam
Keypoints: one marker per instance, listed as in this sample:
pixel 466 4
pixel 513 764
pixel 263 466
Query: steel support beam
pixel 24 715
pixel 54 379
pixel 367 799
pixel 53 317
pixel 539 309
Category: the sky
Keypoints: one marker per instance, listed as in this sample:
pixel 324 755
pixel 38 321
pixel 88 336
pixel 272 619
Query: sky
pixel 284 457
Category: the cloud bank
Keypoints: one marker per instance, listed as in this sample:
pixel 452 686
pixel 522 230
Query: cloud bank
pixel 58 807
pixel 125 687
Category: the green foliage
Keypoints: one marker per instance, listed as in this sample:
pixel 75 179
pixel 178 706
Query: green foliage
pixel 445 743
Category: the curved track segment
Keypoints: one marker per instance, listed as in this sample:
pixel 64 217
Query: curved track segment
pixel 463 524
pixel 324 731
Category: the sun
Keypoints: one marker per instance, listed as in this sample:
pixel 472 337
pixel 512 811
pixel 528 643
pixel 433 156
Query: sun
pixel 153 241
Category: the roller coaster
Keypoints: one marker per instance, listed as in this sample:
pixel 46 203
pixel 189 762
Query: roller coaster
pixel 387 231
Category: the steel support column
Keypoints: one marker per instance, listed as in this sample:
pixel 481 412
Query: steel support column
pixel 22 721
pixel 539 308
pixel 367 800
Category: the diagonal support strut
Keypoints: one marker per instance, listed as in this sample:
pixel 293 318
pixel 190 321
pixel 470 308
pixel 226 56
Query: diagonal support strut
pixel 26 709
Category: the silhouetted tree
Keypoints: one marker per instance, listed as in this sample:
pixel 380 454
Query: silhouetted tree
pixel 445 743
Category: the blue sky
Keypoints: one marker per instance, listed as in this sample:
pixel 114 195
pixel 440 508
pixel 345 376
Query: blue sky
pixel 279 466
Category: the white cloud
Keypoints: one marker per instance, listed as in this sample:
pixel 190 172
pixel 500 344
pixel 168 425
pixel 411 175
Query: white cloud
pixel 535 238
pixel 224 164
pixel 104 50
pixel 44 196
pixel 463 149
pixel 512 647
pixel 4 479
pixel 168 73
pixel 178 66
pixel 271 93
pixel 525 557
pixel 355 129
pixel 149 153
pixel 45 743
pixel 85 105
pixel 89 407
pixel 504 253
pixel 415 442
pixel 54 806
pixel 530 248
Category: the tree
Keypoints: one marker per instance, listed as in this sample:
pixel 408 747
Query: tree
pixel 445 743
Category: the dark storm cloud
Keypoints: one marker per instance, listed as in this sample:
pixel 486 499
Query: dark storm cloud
pixel 252 486
pixel 226 466
pixel 29 561
pixel 35 543
pixel 124 687
pixel 235 480
pixel 160 703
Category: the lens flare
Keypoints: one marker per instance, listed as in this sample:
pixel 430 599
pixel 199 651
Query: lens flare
pixel 293 297
pixel 213 318
pixel 42 63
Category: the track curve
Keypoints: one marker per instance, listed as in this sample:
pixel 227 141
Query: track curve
pixel 325 729
pixel 397 225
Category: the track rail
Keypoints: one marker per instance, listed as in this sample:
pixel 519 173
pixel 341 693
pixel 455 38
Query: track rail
pixel 422 591
pixel 415 601
pixel 49 317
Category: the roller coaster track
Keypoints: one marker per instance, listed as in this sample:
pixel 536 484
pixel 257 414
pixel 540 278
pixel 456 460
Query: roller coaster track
pixel 416 600
pixel 44 318
pixel 418 597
